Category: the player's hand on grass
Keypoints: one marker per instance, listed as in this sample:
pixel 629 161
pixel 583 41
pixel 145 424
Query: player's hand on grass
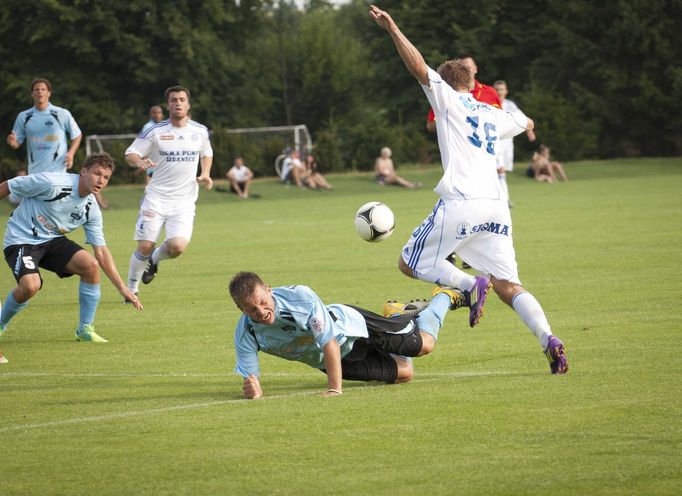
pixel 12 141
pixel 251 388
pixel 206 181
pixel 331 392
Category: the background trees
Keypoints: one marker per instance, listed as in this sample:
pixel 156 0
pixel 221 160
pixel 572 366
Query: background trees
pixel 600 79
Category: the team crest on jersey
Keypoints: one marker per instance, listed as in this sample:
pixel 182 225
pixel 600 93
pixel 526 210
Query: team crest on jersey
pixel 463 230
pixel 166 137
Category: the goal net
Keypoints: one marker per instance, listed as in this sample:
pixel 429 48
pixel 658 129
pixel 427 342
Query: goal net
pixel 262 148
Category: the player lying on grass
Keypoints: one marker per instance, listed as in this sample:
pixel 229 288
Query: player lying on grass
pixel 343 341
pixel 54 204
pixel 472 217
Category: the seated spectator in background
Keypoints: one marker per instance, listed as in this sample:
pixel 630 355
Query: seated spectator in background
pixel 313 179
pixel 14 199
pixel 293 169
pixel 240 177
pixel 543 169
pixel 385 171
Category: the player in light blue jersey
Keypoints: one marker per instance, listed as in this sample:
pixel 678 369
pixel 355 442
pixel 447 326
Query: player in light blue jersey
pixel 54 204
pixel 44 128
pixel 344 341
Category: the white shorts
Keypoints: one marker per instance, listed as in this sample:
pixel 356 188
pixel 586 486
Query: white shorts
pixel 504 156
pixel 478 231
pixel 177 217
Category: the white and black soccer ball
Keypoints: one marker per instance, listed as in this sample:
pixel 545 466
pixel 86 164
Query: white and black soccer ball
pixel 374 221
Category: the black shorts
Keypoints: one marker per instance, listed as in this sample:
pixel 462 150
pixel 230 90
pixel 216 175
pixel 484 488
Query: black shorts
pixel 366 362
pixel 53 255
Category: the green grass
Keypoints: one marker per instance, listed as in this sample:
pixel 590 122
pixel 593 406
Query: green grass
pixel 158 410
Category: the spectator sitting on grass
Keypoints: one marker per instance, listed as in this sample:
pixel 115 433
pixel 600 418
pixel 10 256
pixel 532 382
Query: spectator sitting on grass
pixel 385 171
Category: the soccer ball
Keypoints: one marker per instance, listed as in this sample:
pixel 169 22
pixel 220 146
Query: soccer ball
pixel 374 221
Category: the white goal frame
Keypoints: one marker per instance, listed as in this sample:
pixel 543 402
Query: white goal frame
pixel 302 140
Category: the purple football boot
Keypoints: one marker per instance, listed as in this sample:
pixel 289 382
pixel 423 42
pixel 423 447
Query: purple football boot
pixel 556 355
pixel 476 297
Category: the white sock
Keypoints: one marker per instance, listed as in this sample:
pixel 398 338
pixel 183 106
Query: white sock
pixel 138 264
pixel 503 184
pixel 533 316
pixel 160 253
pixel 446 274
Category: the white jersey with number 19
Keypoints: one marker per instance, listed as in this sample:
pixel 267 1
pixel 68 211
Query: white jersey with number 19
pixel 468 131
pixel 176 152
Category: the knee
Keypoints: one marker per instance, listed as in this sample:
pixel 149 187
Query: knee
pixel 428 343
pixel 404 268
pixel 91 268
pixel 27 288
pixel 405 370
pixel 175 248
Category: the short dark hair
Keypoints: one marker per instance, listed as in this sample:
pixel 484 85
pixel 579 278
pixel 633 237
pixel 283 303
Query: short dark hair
pixel 243 285
pixel 174 89
pixel 456 74
pixel 41 80
pixel 103 159
pixel 500 81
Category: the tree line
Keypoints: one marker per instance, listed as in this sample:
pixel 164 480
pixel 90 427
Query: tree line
pixel 599 78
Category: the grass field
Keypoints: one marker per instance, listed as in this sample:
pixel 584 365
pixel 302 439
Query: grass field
pixel 158 410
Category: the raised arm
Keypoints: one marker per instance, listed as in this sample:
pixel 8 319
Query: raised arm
pixel 407 51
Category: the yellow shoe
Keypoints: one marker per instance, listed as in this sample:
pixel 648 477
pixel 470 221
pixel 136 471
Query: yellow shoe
pixel 393 308
pixel 457 299
pixel 87 333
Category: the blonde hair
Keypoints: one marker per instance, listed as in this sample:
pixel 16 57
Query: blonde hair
pixel 456 74
pixel 387 151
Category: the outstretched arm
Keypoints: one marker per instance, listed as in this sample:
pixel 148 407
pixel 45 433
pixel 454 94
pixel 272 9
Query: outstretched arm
pixel 410 55
pixel 106 261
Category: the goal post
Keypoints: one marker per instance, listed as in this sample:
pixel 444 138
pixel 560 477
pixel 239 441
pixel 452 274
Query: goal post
pixel 261 147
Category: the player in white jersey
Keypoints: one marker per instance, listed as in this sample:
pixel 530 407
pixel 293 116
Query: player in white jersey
pixel 344 341
pixel 472 217
pixel 504 151
pixel 54 204
pixel 44 127
pixel 175 148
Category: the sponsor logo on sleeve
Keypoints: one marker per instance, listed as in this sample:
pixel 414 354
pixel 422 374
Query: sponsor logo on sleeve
pixel 316 325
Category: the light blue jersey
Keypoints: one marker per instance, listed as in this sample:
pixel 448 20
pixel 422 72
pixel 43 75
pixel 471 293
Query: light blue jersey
pixel 303 326
pixel 50 208
pixel 45 134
